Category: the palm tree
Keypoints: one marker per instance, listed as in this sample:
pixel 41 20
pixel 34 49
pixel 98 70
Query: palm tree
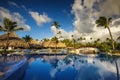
pixel 57 26
pixel 73 41
pixel 67 42
pixel 55 39
pixel 45 39
pixel 9 26
pixel 60 36
pixel 118 38
pixel 27 38
pixel 91 44
pixel 103 21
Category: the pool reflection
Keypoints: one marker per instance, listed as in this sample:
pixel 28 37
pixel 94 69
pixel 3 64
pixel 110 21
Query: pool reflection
pixel 70 68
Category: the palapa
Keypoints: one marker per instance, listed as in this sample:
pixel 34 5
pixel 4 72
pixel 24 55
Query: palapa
pixel 14 41
pixel 53 44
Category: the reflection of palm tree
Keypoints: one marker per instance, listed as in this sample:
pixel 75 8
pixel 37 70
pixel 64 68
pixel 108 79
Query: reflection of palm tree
pixel 117 69
pixel 103 21
pixel 9 26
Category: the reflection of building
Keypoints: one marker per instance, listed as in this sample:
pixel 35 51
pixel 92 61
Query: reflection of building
pixel 51 44
pixel 14 41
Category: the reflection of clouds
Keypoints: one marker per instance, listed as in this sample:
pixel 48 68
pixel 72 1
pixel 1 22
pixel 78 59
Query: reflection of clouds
pixel 53 72
pixel 87 68
pixel 91 72
pixel 31 60
pixel 51 58
pixel 75 67
pixel 98 71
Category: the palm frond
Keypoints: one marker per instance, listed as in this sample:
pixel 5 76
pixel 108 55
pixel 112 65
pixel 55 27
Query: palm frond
pixel 10 26
pixel 1 28
pixel 109 20
pixel 27 38
pixel 102 21
pixel 56 24
pixel 18 29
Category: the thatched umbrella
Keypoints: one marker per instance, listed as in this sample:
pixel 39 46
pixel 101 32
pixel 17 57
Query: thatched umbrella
pixel 34 43
pixel 14 41
pixel 53 44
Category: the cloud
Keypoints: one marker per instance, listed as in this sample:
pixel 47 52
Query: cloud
pixel 16 5
pixel 14 17
pixel 64 34
pixel 24 8
pixel 113 10
pixel 40 18
pixel 85 17
pixel 86 12
pixel 13 4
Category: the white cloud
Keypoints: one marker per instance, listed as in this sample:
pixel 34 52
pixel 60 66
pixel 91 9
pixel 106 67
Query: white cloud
pixel 86 14
pixel 13 4
pixel 14 17
pixel 24 8
pixel 40 18
pixel 64 34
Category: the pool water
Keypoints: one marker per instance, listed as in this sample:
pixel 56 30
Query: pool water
pixel 71 68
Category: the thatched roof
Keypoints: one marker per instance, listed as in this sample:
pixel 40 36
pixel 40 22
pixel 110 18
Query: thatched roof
pixel 53 44
pixel 14 40
pixel 34 42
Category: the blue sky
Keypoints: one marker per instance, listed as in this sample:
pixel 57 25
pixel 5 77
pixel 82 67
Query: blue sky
pixel 56 10
pixel 76 17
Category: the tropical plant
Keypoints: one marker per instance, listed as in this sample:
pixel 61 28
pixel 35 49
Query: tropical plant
pixel 67 42
pixel 8 27
pixel 45 39
pixel 73 41
pixel 105 47
pixel 103 21
pixel 118 38
pixel 57 26
pixel 59 33
pixel 27 39
pixel 55 40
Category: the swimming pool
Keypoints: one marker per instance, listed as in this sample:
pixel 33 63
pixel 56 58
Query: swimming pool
pixel 71 67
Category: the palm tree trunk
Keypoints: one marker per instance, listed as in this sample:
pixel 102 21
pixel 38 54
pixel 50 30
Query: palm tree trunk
pixel 113 46
pixel 7 43
pixel 6 47
pixel 74 44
